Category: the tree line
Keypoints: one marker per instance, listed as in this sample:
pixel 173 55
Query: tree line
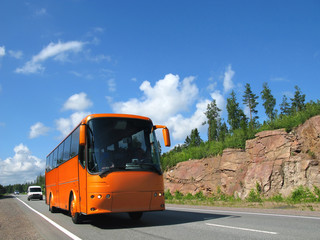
pixel 39 181
pixel 239 126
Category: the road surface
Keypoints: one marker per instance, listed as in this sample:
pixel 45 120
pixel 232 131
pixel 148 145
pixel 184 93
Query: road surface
pixel 177 222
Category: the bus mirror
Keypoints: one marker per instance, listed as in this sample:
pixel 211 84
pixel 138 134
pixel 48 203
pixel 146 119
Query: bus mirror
pixel 166 137
pixel 82 140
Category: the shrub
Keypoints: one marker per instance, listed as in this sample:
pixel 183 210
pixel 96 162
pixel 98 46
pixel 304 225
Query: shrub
pixel 254 196
pixel 302 194
pixel 168 195
pixel 178 195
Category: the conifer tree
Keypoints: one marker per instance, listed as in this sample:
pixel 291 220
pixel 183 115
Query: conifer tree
pixel 250 100
pixel 214 122
pixel 269 102
pixel 285 106
pixel 297 103
pixel 235 114
pixel 194 139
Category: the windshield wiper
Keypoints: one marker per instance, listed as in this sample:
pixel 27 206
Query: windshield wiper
pixel 153 166
pixel 109 170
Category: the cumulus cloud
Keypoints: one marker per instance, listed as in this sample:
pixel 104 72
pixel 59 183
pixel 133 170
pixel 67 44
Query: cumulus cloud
pixel 227 81
pixel 2 51
pixel 22 167
pixel 168 97
pixel 77 102
pixel 66 125
pixel 180 127
pixel 37 130
pixel 165 102
pixel 58 51
pixel 15 54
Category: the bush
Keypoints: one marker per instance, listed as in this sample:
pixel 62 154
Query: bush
pixel 254 196
pixel 168 195
pixel 302 194
pixel 178 195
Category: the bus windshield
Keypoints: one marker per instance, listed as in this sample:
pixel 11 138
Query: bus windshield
pixel 121 144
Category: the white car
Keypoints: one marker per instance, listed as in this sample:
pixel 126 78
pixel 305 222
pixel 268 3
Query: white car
pixel 35 192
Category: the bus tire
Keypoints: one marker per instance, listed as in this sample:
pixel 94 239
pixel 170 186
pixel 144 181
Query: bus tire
pixel 135 215
pixel 52 209
pixel 75 216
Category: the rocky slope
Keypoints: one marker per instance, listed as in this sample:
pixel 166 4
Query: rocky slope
pixel 278 161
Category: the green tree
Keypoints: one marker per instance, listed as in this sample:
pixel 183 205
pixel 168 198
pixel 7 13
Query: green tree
pixel 285 106
pixel 297 102
pixel 194 139
pixel 235 114
pixel 250 100
pixel 2 190
pixel 269 102
pixel 223 132
pixel 213 116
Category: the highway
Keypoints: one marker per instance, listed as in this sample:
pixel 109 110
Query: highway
pixel 177 222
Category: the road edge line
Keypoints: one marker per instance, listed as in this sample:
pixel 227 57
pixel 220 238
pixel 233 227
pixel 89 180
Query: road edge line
pixel 62 229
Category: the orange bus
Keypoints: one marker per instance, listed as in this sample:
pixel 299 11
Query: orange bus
pixel 109 163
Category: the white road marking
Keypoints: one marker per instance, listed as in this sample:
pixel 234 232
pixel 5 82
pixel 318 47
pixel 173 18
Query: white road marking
pixel 71 235
pixel 239 228
pixel 234 212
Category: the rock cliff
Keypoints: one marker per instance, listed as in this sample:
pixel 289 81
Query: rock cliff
pixel 278 161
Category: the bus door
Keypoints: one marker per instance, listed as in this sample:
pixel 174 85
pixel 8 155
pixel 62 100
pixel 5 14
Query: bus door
pixel 82 170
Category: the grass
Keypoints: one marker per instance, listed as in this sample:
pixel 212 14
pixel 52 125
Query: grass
pixel 301 198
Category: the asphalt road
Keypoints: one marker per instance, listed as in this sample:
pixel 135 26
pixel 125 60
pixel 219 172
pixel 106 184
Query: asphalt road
pixel 177 222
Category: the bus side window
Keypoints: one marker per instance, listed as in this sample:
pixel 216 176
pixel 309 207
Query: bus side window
pixel 60 154
pixel 66 152
pixel 54 158
pixel 48 164
pixel 75 143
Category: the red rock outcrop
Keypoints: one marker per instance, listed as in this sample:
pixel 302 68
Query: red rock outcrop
pixel 278 161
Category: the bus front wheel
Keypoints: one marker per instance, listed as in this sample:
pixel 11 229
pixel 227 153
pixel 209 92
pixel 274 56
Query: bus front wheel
pixel 135 215
pixel 75 216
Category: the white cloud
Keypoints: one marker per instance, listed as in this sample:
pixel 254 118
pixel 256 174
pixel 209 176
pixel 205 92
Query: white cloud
pixel 66 125
pixel 20 168
pixel 16 54
pixel 77 102
pixel 41 12
pixel 37 130
pixel 227 81
pixel 180 127
pixel 2 51
pixel 220 100
pixel 111 85
pixel 58 51
pixel 168 97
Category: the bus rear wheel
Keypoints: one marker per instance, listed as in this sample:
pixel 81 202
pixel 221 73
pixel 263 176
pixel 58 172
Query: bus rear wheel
pixel 75 216
pixel 135 215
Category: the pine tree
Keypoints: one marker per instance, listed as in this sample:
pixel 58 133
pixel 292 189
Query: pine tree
pixel 269 102
pixel 285 106
pixel 235 114
pixel 297 103
pixel 250 100
pixel 213 116
pixel 194 139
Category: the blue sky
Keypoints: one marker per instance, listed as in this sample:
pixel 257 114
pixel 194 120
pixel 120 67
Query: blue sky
pixel 61 60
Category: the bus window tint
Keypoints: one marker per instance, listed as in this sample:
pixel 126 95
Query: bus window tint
pixel 60 154
pixel 66 151
pixel 75 143
pixel 54 158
